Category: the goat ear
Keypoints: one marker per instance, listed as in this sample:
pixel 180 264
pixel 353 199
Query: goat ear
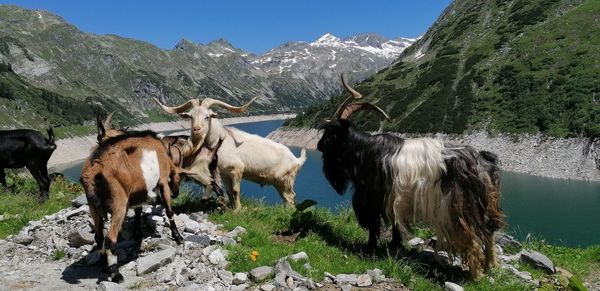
pixel 184 115
pixel 214 115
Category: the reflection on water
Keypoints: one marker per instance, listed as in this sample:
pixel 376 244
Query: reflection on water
pixel 561 211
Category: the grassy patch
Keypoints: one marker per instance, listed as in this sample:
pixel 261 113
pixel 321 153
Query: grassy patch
pixel 19 202
pixel 334 243
pixel 58 254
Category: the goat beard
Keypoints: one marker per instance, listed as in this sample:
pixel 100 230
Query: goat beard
pixel 335 173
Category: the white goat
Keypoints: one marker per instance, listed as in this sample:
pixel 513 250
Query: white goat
pixel 242 155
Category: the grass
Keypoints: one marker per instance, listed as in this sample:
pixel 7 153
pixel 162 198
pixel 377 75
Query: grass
pixel 58 254
pixel 19 203
pixel 334 243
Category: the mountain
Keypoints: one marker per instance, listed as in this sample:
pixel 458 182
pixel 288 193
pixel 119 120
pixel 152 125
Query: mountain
pixel 54 55
pixel 320 62
pixel 515 66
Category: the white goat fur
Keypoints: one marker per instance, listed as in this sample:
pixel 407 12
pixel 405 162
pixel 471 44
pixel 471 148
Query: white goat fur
pixel 252 157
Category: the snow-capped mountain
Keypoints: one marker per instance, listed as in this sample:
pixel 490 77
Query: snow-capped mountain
pixel 320 62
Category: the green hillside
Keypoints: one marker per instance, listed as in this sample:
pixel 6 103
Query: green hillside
pixel 518 66
pixel 24 105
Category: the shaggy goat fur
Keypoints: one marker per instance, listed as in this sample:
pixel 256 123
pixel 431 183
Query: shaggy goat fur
pixel 453 189
pixel 123 172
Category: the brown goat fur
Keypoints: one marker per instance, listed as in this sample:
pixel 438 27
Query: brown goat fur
pixel 121 173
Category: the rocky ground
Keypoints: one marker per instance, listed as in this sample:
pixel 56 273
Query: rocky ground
pixel 56 253
pixel 568 158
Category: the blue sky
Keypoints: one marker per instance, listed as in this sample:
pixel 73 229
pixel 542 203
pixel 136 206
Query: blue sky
pixel 255 26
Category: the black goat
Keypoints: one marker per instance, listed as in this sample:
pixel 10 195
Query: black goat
pixel 454 189
pixel 27 148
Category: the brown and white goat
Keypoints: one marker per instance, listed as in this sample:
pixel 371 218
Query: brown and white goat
pixel 453 189
pixel 123 172
pixel 242 155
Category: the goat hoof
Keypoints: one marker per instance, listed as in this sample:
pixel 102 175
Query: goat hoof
pixel 178 239
pixel 116 278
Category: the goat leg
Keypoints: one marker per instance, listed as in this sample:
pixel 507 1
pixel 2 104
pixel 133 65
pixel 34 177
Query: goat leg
pixel 43 184
pixel 3 177
pixel 166 195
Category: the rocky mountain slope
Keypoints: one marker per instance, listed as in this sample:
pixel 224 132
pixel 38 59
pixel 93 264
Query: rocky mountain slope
pixel 54 55
pixel 513 66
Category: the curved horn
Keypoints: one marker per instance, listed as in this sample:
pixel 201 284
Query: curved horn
pixel 348 110
pixel 355 95
pixel 178 109
pixel 107 121
pixel 208 102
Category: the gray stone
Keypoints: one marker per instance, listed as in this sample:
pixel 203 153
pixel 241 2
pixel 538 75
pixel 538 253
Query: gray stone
pixel 84 209
pixel 191 226
pixel 154 261
pixel 23 239
pixel 538 260
pixel 217 257
pixel 415 242
pixel 260 273
pixel 450 286
pixel 228 241
pixel 298 256
pixel 343 279
pixel 1 217
pixel 191 287
pixel 79 201
pixel 240 287
pixel 267 287
pixel 165 274
pixel 376 275
pixel 202 240
pixel 307 266
pixel 226 276
pixel 238 230
pixel 109 286
pixel 197 216
pixel 79 237
pixel 280 279
pixel 285 268
pixel 506 241
pixel 240 278
pixel 289 282
pixel 346 287
pixel 363 280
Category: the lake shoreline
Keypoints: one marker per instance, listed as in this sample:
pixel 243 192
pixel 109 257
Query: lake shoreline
pixel 73 150
pixel 537 155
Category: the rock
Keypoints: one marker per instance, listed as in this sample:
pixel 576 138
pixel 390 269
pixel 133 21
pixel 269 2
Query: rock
pixel 217 257
pixel 538 260
pixel 192 226
pixel 298 256
pixel 344 279
pixel 228 241
pixel 79 201
pixel 238 230
pixel 1 217
pixel 280 279
pixel 109 286
pixel 180 219
pixel 197 216
pixel 415 242
pixel 240 278
pixel 226 276
pixel 23 239
pixel 79 211
pixel 154 261
pixel 376 275
pixel 289 282
pixel 267 287
pixel 452 286
pixel 363 280
pixel 202 240
pixel 80 237
pixel 307 266
pixel 165 274
pixel 261 273
pixel 285 268
pixel 507 241
pixel 347 287
pixel 239 287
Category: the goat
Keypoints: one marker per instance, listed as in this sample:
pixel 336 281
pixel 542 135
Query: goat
pixel 27 148
pixel 452 189
pixel 242 155
pixel 122 172
pixel 180 150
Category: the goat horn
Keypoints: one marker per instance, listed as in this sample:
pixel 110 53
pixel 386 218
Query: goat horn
pixel 178 109
pixel 348 110
pixel 208 102
pixel 107 122
pixel 355 95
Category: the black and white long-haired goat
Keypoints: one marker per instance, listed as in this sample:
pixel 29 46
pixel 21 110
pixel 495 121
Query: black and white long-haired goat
pixel 452 189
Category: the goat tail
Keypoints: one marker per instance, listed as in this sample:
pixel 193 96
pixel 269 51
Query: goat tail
pixel 302 157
